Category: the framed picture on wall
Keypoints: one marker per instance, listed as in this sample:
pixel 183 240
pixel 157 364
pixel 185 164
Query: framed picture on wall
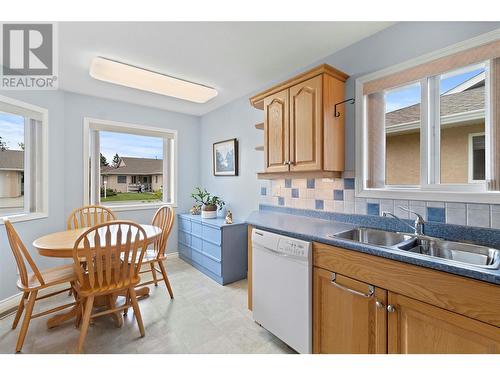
pixel 225 158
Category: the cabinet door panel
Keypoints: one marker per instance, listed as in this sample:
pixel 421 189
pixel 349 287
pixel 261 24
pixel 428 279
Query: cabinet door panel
pixel 346 318
pixel 276 137
pixel 306 125
pixel 419 328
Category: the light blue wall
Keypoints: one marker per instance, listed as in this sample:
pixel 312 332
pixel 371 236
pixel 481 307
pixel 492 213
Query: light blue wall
pixel 393 45
pixel 66 113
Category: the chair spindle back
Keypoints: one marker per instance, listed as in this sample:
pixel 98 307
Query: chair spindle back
pixel 164 219
pixel 97 252
pixel 88 216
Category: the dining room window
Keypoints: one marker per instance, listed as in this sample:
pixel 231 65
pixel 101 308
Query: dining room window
pixel 23 159
pixel 130 155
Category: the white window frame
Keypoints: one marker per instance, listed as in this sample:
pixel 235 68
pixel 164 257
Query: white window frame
pixel 429 169
pixel 41 178
pixel 470 157
pixel 170 145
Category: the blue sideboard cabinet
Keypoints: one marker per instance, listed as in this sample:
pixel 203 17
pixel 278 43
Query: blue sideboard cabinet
pixel 217 249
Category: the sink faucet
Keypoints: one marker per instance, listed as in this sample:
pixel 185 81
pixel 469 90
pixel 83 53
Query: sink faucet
pixel 418 227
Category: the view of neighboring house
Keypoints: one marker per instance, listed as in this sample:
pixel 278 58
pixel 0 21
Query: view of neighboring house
pixel 11 173
pixel 133 175
pixel 462 137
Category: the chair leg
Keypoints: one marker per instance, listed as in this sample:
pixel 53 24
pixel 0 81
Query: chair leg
pixel 153 271
pixel 20 310
pixel 26 321
pixel 127 298
pixel 116 315
pixel 137 311
pixel 89 302
pixel 165 278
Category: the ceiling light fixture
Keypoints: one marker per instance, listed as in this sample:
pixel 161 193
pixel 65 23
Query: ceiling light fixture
pixel 142 79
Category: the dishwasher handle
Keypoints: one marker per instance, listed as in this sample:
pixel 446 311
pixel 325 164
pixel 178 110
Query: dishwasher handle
pixel 371 288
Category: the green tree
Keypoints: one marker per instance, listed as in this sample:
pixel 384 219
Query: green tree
pixel 116 160
pixel 3 145
pixel 21 145
pixel 104 161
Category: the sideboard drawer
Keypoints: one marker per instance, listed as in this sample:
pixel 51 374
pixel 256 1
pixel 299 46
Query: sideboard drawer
pixel 197 257
pixel 196 243
pixel 184 238
pixel 211 234
pixel 212 266
pixel 185 251
pixel 185 225
pixel 212 250
pixel 196 228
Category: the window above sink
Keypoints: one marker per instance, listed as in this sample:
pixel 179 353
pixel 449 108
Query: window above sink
pixel 428 129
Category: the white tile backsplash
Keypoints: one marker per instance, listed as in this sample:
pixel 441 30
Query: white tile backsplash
pixel 481 215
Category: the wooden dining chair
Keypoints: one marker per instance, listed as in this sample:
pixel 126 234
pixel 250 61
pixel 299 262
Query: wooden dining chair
pixel 88 216
pixel 100 271
pixel 31 283
pixel 164 219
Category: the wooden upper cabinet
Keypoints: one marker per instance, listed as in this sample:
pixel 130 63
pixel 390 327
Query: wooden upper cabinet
pixel 301 132
pixel 416 327
pixel 306 125
pixel 276 132
pixel 346 316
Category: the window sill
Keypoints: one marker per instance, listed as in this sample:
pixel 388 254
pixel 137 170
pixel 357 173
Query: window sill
pixel 138 207
pixel 16 218
pixel 428 195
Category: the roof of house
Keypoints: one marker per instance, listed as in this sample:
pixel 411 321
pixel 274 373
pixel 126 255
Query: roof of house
pixel 12 160
pixel 465 101
pixel 135 166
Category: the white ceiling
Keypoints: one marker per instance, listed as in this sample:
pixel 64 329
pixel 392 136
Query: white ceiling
pixel 235 58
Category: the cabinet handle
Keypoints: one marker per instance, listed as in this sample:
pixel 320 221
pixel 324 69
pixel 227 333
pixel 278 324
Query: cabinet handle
pixel 285 163
pixel 379 304
pixel 371 288
pixel 391 308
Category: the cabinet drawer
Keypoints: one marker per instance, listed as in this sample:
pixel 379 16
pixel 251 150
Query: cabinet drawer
pixel 211 234
pixel 185 224
pixel 184 238
pixel 197 257
pixel 196 228
pixel 196 243
pixel 212 265
pixel 185 251
pixel 212 250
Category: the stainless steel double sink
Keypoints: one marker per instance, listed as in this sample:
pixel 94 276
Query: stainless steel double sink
pixel 475 255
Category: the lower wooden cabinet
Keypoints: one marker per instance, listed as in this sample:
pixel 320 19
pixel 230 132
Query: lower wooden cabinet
pixel 349 315
pixel 365 304
pixel 416 328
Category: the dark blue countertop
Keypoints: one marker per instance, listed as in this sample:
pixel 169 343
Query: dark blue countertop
pixel 319 229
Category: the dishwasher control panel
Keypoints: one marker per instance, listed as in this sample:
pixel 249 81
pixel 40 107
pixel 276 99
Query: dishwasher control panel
pixel 295 248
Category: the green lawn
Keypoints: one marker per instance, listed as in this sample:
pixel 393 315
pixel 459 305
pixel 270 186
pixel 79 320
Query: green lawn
pixel 131 197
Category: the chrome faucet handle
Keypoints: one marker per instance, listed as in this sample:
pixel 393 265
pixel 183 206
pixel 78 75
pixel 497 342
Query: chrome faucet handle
pixel 419 221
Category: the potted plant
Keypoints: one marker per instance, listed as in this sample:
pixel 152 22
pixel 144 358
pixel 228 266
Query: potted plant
pixel 209 203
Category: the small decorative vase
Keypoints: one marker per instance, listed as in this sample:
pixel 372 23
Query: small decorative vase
pixel 221 212
pixel 195 210
pixel 229 217
pixel 209 211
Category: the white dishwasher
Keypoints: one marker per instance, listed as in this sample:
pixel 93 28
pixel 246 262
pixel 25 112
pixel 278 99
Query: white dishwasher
pixel 282 283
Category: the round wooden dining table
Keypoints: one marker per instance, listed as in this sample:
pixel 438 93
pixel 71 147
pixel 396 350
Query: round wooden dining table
pixel 60 245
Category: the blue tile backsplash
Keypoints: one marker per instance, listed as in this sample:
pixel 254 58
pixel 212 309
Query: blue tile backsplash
pixel 436 214
pixel 319 204
pixel 263 190
pixel 373 209
pixel 288 183
pixel 311 183
pixel 349 183
pixel 338 195
pixel 295 193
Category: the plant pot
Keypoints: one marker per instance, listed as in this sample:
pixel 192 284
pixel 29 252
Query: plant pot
pixel 209 211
